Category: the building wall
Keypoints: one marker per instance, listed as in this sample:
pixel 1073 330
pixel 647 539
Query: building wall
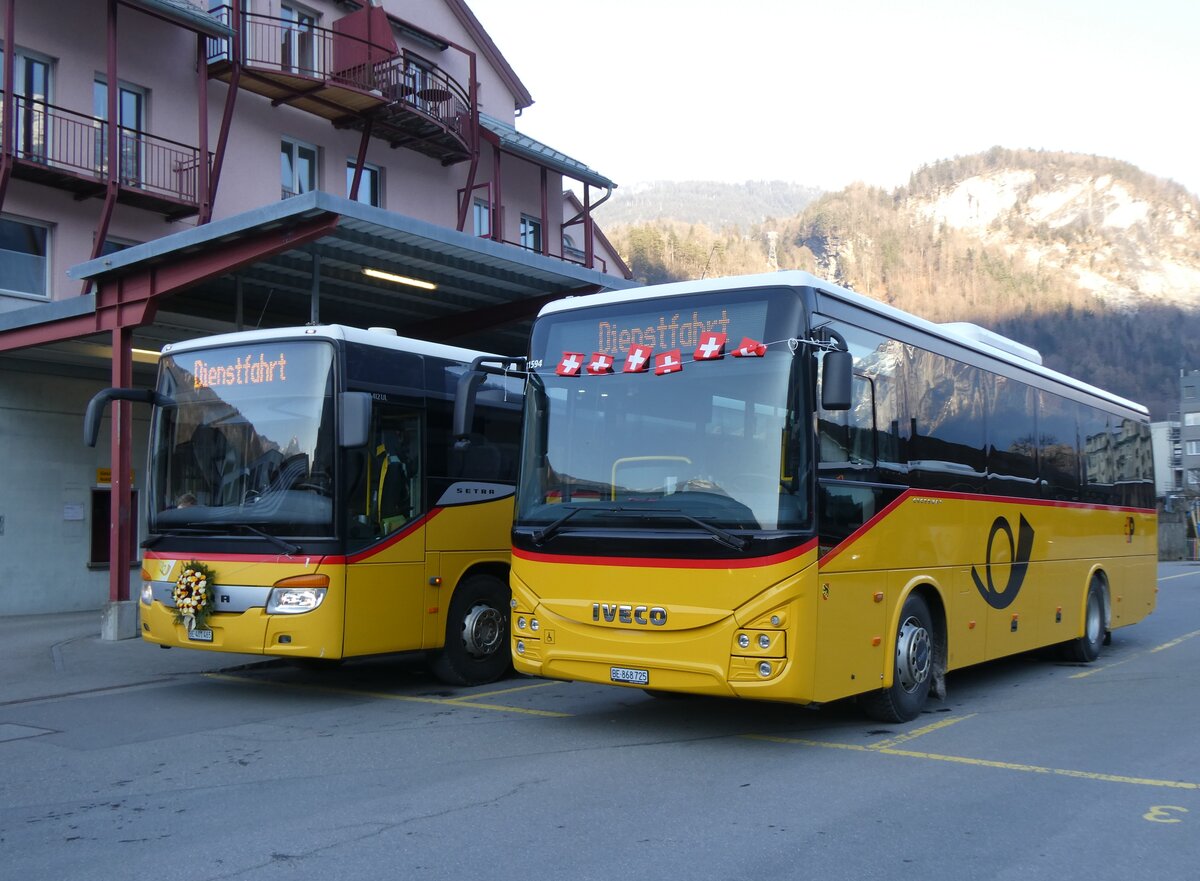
pixel 48 476
pixel 1189 429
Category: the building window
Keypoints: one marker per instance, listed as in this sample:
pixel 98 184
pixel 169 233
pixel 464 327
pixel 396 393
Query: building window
pixel 369 188
pixel 1193 448
pixel 531 233
pixel 32 80
pixel 1191 418
pixel 131 117
pixel 297 168
pixel 24 248
pixel 297 39
pixel 101 518
pixel 482 212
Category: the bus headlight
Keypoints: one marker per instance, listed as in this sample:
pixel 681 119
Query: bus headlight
pixel 294 596
pixel 147 593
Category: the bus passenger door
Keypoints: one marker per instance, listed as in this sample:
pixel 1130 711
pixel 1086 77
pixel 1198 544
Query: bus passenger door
pixel 385 575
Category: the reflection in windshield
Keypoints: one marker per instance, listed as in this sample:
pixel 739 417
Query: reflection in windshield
pixel 712 442
pixel 249 442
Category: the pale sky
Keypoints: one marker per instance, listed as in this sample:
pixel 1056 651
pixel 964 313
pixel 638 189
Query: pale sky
pixel 832 92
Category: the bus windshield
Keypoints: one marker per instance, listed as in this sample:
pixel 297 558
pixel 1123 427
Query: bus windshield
pixel 716 441
pixel 249 440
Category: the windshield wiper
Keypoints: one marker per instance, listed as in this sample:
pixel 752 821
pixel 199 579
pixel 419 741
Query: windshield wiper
pixel 156 537
pixel 547 531
pixel 724 536
pixel 738 543
pixel 286 547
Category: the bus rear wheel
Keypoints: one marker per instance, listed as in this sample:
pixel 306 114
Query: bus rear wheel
pixel 914 672
pixel 1087 647
pixel 477 637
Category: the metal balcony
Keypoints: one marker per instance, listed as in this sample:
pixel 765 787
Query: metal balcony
pixel 348 80
pixel 69 150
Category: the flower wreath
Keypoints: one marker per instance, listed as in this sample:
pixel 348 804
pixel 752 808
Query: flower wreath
pixel 193 595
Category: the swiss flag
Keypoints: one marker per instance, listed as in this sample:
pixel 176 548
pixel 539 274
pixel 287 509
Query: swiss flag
pixel 570 364
pixel 749 349
pixel 600 363
pixel 711 348
pixel 668 362
pixel 637 359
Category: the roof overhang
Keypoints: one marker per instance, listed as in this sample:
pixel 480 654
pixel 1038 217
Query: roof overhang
pixel 185 14
pixel 257 269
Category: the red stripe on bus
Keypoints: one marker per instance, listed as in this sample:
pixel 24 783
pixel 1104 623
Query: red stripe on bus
pixel 668 562
pixel 970 497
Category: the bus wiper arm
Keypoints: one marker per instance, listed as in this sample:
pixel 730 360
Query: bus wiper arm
pixel 288 548
pixel 724 536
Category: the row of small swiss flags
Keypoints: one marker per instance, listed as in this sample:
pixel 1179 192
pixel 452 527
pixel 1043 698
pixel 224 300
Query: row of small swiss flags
pixel 637 359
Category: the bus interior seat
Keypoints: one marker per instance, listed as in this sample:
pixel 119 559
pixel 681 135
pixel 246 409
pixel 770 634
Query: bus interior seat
pixel 481 460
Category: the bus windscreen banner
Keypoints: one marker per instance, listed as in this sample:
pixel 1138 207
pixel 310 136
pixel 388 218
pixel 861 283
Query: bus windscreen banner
pixel 612 333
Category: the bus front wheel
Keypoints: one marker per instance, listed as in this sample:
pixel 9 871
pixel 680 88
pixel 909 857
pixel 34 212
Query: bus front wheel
pixel 477 639
pixel 914 672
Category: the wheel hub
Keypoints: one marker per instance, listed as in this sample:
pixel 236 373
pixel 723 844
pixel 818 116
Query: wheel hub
pixel 483 631
pixel 913 655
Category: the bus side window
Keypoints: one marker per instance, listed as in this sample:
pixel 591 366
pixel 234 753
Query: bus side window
pixel 1058 458
pixel 848 436
pixel 384 485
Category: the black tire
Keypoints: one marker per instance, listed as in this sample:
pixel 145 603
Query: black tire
pixel 913 677
pixel 477 634
pixel 1087 647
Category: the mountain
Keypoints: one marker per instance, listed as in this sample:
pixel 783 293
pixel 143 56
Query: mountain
pixel 716 205
pixel 1089 260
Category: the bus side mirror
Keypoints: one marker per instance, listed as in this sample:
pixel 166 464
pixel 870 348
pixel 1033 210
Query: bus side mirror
pixel 464 404
pixel 836 369
pixel 354 427
pixel 95 407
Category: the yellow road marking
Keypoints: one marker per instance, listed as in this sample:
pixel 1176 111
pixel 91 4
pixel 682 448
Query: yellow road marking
pixel 981 763
pixel 1158 648
pixel 1174 642
pixel 502 691
pixel 382 695
pixel 919 732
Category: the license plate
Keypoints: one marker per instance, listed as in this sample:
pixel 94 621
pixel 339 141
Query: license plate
pixel 200 635
pixel 630 675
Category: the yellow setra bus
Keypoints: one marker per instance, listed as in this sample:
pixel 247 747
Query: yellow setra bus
pixel 306 499
pixel 771 487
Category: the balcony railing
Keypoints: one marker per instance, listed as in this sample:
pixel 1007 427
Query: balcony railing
pixel 50 140
pixel 346 79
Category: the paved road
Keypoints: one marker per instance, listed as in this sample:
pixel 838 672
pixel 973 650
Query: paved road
pixel 123 761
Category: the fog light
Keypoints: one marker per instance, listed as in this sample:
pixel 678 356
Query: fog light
pixel 521 623
pixel 520 646
pixel 764 641
pixel 764 669
pixel 744 640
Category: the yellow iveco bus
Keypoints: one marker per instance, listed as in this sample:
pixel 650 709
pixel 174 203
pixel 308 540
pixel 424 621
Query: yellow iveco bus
pixel 305 497
pixel 770 487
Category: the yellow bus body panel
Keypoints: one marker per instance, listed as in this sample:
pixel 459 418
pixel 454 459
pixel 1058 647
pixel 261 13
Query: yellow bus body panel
pixel 390 598
pixel 838 617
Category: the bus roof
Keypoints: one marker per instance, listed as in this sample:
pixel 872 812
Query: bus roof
pixel 958 335
pixel 381 337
